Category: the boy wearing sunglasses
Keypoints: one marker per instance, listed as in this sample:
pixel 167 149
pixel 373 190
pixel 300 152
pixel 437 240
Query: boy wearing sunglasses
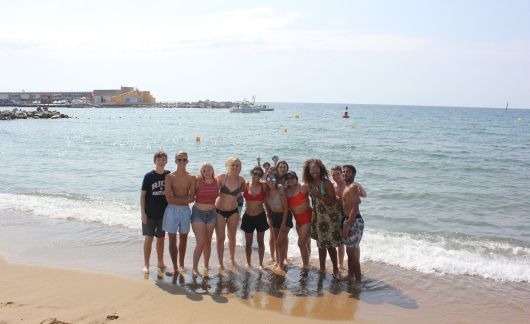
pixel 180 190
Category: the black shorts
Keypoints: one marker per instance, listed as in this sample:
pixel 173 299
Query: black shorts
pixel 257 223
pixel 153 228
pixel 277 220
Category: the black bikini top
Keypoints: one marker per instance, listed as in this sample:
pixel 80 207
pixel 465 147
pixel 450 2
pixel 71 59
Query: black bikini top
pixel 224 189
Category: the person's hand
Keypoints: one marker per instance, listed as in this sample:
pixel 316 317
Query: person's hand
pixel 345 230
pixel 144 218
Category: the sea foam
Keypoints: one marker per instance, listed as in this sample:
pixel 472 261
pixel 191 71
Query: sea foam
pixel 427 252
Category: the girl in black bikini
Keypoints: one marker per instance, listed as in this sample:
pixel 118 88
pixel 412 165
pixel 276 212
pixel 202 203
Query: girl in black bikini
pixel 232 184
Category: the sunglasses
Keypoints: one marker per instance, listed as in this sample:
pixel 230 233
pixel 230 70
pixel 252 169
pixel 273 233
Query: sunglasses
pixel 257 174
pixel 290 178
pixel 182 160
pixel 272 179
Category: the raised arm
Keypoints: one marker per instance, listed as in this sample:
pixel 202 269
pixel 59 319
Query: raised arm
pixel 362 192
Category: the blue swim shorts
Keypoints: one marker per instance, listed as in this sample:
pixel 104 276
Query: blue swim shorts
pixel 177 219
pixel 203 216
pixel 356 232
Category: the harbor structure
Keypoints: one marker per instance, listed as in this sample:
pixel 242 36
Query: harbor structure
pixel 123 97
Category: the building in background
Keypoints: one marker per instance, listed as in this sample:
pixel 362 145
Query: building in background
pixel 126 96
pixel 123 97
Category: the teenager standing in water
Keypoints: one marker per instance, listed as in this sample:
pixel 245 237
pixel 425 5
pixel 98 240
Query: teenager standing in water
pixel 231 187
pixel 326 218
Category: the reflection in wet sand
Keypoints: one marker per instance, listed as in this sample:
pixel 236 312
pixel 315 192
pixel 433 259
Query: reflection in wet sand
pixel 300 293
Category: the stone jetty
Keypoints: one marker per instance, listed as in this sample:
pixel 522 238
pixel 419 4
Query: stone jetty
pixel 40 113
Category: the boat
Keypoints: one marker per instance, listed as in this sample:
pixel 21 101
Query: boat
pixel 246 106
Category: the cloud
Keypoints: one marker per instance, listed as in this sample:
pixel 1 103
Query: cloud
pixel 247 29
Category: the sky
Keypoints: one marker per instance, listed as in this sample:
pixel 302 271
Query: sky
pixel 439 53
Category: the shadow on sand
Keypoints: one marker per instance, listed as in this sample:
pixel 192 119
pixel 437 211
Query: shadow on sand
pixel 306 292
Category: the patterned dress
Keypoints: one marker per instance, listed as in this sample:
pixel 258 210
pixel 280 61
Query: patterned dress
pixel 325 225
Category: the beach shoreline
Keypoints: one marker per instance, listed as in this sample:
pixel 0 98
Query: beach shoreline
pixel 115 259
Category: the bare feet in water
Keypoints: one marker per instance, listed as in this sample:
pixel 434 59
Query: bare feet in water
pixel 279 271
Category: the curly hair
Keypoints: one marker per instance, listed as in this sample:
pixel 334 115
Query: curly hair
pixel 306 174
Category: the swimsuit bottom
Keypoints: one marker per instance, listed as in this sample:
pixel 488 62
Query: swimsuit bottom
pixel 277 218
pixel 303 217
pixel 227 213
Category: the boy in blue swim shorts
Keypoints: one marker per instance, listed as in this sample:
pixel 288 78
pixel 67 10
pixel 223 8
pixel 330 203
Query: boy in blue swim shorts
pixel 180 190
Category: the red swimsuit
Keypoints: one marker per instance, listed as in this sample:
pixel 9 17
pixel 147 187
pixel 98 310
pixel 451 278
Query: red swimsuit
pixel 296 200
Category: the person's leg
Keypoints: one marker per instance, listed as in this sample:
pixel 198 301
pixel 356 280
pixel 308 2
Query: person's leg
pixel 322 253
pixel 280 249
pixel 303 237
pixel 272 241
pixel 261 248
pixel 333 256
pixel 340 252
pixel 208 245
pixel 199 229
pixel 173 252
pixel 357 264
pixel 274 234
pixel 160 251
pixel 148 242
pixel 231 227
pixel 285 243
pixel 183 243
pixel 220 238
pixel 249 237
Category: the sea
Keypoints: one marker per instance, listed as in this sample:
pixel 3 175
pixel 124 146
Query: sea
pixel 448 187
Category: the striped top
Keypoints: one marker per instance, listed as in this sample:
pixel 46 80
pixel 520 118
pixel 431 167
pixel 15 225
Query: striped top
pixel 206 192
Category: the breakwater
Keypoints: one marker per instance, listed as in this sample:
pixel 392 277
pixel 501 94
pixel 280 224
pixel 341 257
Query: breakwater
pixel 40 113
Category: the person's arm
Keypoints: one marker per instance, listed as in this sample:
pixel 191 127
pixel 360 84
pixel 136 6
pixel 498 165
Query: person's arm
pixel 142 206
pixel 170 195
pixel 350 198
pixel 193 188
pixel 268 209
pixel 362 192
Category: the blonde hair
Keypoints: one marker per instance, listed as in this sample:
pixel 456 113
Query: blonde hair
pixel 181 153
pixel 201 171
pixel 231 160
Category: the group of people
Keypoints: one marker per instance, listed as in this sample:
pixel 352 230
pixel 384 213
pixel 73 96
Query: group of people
pixel 325 211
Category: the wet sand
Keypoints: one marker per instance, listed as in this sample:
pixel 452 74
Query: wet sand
pixel 388 293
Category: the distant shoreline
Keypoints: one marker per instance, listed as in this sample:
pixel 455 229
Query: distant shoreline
pixel 196 104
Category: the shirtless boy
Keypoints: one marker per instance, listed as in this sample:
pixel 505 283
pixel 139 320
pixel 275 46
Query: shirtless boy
pixel 352 231
pixel 180 190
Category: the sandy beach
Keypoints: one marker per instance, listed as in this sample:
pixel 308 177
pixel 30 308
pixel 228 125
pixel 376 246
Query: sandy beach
pixel 50 277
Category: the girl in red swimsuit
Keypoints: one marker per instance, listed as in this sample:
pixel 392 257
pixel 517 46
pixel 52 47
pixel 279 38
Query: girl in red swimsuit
pixel 298 200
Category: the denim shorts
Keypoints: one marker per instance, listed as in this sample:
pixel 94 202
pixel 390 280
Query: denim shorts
pixel 176 219
pixel 202 216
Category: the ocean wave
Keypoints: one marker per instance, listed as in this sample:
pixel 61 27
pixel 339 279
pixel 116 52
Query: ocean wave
pixel 436 253
pixel 65 206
